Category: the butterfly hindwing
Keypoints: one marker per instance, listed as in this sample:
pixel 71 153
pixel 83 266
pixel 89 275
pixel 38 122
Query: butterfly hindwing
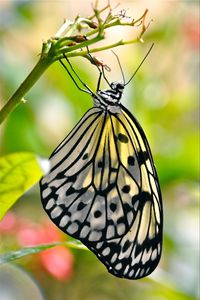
pixel 103 189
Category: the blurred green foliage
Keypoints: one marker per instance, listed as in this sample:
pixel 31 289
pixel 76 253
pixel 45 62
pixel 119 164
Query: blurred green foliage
pixel 164 98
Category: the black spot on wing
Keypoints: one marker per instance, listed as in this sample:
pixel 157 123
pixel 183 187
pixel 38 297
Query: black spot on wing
pixel 113 207
pixel 126 189
pixel 126 246
pixel 131 160
pixel 71 178
pixel 85 156
pixel 142 157
pixel 122 138
pixel 80 206
pixel 135 198
pixel 120 220
pixel 143 196
pixel 97 214
pixel 127 208
pixel 100 164
pixel 43 185
pixel 70 191
pixel 60 175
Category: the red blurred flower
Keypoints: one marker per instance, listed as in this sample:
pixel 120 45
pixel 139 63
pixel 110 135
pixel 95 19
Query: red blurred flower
pixel 58 261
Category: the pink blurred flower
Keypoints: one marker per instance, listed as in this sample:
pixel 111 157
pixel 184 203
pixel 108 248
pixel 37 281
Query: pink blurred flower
pixel 58 261
pixel 31 234
pixel 28 233
pixel 191 32
pixel 48 233
pixel 8 223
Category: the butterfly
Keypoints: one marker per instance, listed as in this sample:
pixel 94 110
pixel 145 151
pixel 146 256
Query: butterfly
pixel 103 189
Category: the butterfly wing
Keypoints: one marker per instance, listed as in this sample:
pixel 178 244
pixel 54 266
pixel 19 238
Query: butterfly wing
pixel 137 253
pixel 103 189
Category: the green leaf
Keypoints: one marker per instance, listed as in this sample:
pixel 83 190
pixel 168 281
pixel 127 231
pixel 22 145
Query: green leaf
pixel 18 173
pixel 13 255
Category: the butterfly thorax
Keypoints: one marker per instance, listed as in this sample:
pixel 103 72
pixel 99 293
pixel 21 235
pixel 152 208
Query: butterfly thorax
pixel 110 97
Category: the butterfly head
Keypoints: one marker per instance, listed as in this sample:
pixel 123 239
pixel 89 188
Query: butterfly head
pixel 117 86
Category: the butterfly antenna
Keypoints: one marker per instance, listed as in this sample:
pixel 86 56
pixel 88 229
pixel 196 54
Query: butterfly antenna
pixel 120 66
pixel 140 64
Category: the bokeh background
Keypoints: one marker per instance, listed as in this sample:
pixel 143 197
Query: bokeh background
pixel 163 96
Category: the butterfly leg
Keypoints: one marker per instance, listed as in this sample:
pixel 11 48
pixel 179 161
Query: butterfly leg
pixel 88 90
pixel 101 72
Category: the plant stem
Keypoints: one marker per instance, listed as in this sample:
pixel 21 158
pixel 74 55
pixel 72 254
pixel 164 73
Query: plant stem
pixel 30 80
pixel 99 49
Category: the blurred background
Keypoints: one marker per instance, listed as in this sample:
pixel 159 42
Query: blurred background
pixel 163 96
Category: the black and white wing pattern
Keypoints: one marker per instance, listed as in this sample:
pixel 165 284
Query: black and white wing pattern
pixel 103 190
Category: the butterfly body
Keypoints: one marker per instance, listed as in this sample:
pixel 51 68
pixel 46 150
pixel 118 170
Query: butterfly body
pixel 103 188
pixel 109 99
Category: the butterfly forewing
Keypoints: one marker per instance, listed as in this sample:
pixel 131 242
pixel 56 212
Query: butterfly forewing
pixel 137 252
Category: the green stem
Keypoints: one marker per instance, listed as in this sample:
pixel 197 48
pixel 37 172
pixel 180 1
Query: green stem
pixel 99 49
pixel 119 43
pixel 77 47
pixel 30 80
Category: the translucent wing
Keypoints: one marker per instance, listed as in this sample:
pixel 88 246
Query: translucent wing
pixel 103 189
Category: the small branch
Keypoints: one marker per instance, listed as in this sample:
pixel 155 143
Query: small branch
pixel 100 10
pixel 99 49
pixel 26 85
pixel 70 40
